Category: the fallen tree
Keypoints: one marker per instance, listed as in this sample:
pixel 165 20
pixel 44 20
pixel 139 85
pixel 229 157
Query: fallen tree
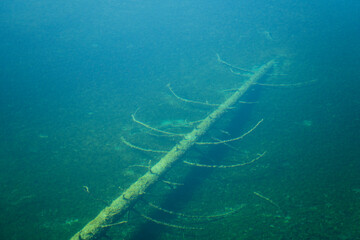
pixel 109 215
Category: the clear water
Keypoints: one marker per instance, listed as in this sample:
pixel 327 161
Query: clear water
pixel 73 72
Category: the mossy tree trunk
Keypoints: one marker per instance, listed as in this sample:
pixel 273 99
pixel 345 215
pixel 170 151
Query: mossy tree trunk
pixel 128 198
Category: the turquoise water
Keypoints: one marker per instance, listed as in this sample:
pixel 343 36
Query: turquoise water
pixel 72 74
